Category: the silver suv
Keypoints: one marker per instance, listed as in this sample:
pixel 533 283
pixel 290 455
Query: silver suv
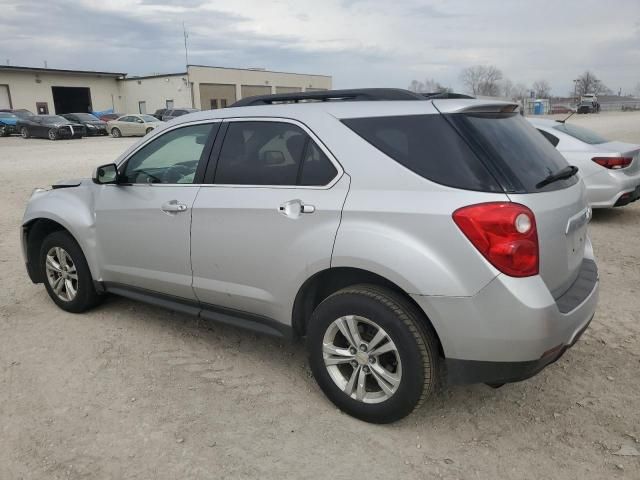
pixel 411 240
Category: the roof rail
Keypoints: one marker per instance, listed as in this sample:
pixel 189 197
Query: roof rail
pixel 445 95
pixel 359 94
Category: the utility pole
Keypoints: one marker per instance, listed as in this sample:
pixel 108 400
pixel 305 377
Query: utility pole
pixel 186 63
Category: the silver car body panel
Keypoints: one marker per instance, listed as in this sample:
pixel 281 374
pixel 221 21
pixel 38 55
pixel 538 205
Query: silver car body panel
pixel 235 248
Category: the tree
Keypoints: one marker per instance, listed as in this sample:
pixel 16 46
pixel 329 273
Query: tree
pixel 637 90
pixel 589 83
pixel 482 80
pixel 541 88
pixel 519 91
pixel 428 86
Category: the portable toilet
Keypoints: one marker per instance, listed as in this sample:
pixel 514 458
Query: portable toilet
pixel 538 107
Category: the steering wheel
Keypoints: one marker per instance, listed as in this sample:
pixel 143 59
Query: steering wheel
pixel 175 173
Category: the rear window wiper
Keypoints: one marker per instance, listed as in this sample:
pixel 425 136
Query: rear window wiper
pixel 567 172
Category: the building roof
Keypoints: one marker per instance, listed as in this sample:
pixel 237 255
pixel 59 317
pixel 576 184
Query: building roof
pixel 264 70
pixel 156 75
pixel 16 68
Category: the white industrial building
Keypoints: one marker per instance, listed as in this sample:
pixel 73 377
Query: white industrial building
pixel 47 90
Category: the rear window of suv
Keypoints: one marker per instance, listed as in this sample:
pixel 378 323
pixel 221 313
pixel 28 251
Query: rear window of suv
pixel 429 146
pixel 517 153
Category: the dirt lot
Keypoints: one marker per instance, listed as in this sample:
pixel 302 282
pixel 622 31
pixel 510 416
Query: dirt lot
pixel 132 391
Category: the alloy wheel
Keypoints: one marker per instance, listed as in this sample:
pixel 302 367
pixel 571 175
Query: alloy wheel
pixel 361 359
pixel 61 274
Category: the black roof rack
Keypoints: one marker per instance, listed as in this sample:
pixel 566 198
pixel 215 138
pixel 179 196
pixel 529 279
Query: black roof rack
pixel 360 94
pixel 445 95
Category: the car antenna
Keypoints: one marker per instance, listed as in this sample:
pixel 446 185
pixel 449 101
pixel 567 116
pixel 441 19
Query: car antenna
pixel 565 120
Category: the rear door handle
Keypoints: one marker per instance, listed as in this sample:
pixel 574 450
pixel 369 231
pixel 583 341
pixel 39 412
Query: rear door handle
pixel 174 206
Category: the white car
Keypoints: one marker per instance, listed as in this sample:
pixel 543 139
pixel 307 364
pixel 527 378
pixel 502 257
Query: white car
pixel 133 125
pixel 610 170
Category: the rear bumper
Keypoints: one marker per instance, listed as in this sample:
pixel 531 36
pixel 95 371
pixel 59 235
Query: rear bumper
pixel 612 189
pixel 512 328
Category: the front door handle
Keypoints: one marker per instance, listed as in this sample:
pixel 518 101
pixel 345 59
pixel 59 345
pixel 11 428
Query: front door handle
pixel 174 206
pixel 294 208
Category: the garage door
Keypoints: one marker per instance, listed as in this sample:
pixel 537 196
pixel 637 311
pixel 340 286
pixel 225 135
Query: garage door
pixel 4 97
pixel 251 90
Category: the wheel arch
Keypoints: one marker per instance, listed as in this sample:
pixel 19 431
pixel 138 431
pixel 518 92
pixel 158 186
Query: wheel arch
pixel 326 282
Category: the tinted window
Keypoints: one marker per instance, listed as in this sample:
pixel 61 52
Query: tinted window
pixel 85 117
pixel 261 153
pixel 428 146
pixel 518 151
pixel 148 118
pixel 582 134
pixel 553 140
pixel 317 169
pixel 170 158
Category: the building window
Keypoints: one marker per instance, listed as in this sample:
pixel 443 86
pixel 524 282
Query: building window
pixel 169 104
pixel 223 103
pixel 142 107
pixel 214 104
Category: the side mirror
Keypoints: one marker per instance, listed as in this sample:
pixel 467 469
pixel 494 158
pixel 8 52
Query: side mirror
pixel 106 174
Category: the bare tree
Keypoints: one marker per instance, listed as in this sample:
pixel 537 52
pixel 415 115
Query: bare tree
pixel 589 83
pixel 519 91
pixel 482 80
pixel 637 90
pixel 416 86
pixel 428 86
pixel 541 88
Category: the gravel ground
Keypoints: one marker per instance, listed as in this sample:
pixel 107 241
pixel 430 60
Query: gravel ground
pixel 133 391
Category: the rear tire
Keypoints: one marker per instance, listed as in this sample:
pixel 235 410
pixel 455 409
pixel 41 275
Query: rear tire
pixel 24 132
pixel 66 273
pixel 116 133
pixel 352 373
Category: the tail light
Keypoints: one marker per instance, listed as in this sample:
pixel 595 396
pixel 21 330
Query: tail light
pixel 505 233
pixel 613 163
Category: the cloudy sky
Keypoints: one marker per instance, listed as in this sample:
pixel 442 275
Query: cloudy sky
pixel 359 42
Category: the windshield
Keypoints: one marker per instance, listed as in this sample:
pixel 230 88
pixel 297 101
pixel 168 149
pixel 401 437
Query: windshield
pixel 582 134
pixel 53 119
pixel 148 118
pixel 86 117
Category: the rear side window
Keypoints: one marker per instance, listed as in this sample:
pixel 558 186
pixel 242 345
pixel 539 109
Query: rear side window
pixel 429 146
pixel 520 154
pixel 582 134
pixel 271 153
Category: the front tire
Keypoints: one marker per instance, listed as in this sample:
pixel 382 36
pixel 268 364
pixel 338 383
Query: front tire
pixel 148 131
pixel 52 134
pixel 4 131
pixel 24 132
pixel 116 133
pixel 372 353
pixel 66 273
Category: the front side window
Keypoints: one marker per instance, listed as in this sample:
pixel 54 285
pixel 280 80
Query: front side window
pixel 170 158
pixel 271 153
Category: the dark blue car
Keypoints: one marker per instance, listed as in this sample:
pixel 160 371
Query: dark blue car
pixel 7 124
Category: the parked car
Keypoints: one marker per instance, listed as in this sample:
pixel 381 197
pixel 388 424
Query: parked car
pixel 610 169
pixel 53 127
pixel 159 113
pixel 177 112
pixel 93 125
pixel 106 117
pixel 8 124
pixel 340 221
pixel 561 109
pixel 132 125
pixel 18 112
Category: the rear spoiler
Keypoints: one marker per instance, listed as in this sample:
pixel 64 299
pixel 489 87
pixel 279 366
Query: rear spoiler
pixel 474 106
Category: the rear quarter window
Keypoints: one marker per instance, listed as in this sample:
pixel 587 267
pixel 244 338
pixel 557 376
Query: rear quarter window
pixel 428 146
